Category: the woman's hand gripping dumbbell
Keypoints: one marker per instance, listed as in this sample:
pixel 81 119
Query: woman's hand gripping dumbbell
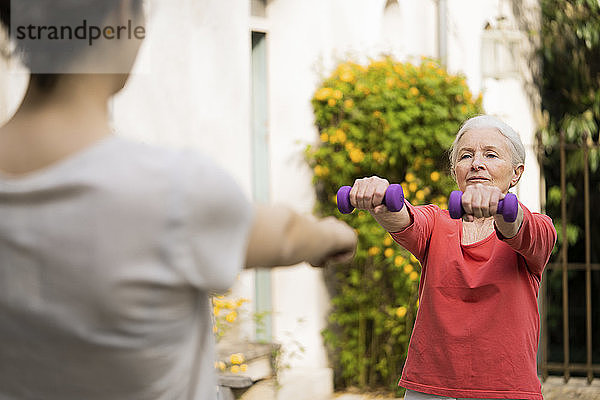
pixel 508 207
pixel 393 199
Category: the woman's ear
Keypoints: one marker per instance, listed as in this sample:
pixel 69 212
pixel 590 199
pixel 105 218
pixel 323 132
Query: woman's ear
pixel 517 173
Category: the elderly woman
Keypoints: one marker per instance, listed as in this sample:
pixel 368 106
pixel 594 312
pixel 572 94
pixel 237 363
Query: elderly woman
pixel 476 330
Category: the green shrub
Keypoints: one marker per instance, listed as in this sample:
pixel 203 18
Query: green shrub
pixel 394 120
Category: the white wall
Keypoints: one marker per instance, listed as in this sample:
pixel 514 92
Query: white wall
pixel 505 97
pixel 196 91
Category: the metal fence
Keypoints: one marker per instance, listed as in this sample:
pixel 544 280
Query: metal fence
pixel 566 368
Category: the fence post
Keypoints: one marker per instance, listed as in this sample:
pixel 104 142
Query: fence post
pixel 565 245
pixel 588 261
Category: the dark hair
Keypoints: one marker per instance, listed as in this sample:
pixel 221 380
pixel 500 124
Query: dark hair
pixel 42 11
pixel 5 13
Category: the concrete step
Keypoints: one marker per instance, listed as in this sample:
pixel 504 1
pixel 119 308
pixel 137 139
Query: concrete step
pixel 296 384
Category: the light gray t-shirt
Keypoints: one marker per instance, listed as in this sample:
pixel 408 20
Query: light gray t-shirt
pixel 106 262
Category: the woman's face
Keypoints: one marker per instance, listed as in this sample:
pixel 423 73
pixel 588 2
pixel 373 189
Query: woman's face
pixel 484 156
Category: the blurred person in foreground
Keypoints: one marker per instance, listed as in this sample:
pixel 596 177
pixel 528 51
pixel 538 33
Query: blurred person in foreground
pixel 109 249
pixel 477 327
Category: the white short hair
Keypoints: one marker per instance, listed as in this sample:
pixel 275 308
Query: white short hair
pixel 487 121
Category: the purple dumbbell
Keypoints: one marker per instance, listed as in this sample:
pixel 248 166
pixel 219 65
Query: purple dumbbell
pixel 393 198
pixel 509 207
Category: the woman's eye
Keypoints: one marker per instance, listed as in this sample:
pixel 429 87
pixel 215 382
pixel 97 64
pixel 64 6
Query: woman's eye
pixel 492 155
pixel 464 156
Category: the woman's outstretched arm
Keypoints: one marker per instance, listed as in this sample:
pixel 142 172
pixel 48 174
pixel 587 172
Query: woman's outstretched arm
pixel 280 236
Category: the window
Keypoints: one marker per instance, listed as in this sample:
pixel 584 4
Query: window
pixel 260 170
pixel 500 51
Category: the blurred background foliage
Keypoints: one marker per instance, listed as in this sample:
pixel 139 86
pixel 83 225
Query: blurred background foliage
pixel 570 88
pixel 394 120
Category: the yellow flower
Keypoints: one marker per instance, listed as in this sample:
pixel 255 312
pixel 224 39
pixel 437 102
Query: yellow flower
pixel 231 317
pixel 463 109
pixel 398 261
pixel 401 312
pixel 387 241
pixel 221 365
pixel 390 82
pixel 417 163
pixel 331 102
pixel 373 251
pixel 413 276
pixel 379 157
pixel 216 311
pixel 378 64
pixel 324 137
pixel 337 94
pixel 410 177
pixel 219 302
pixel 412 187
pixel 237 358
pixel 420 195
pixel 345 73
pixel 323 93
pixel 347 76
pixel 398 69
pixel 377 114
pixel 408 269
pixel 414 91
pixel 340 135
pixel 318 170
pixel 388 252
pixel 356 155
pixel 333 138
pixel 435 176
pixel 244 367
pixel 349 103
pixel 235 369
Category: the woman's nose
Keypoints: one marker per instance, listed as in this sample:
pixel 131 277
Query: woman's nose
pixel 478 163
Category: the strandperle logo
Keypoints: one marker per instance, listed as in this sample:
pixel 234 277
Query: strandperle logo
pixel 83 31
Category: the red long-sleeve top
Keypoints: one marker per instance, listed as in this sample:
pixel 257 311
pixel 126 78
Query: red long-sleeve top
pixel 477 327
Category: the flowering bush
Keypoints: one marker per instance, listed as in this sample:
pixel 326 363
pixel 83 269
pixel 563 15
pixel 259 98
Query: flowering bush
pixel 225 311
pixel 394 120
